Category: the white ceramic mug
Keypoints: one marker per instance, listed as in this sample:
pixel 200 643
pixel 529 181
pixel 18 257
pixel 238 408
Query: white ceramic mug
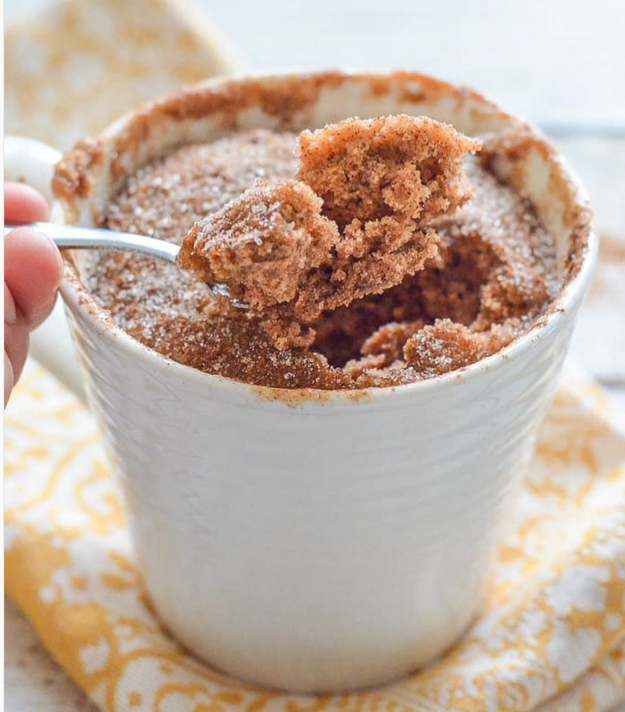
pixel 319 541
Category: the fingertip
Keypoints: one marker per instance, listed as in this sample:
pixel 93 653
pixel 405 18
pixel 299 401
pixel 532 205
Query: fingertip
pixel 24 247
pixel 33 269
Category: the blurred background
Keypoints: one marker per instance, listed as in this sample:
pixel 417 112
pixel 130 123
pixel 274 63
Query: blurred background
pixel 556 62
pixel 559 62
pixel 72 66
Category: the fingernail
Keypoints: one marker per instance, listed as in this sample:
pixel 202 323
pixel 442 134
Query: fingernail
pixel 10 312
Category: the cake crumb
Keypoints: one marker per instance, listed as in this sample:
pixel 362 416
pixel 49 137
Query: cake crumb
pixel 447 346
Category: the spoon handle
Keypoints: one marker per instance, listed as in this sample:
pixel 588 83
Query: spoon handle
pixel 92 238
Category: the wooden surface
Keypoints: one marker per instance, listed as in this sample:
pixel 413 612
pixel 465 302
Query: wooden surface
pixel 560 67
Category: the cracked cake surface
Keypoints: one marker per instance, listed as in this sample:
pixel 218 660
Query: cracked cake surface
pixel 492 275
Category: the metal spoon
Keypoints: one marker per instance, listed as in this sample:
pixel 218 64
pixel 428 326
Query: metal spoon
pixel 93 238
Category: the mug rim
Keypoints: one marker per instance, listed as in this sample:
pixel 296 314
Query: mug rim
pixel 79 299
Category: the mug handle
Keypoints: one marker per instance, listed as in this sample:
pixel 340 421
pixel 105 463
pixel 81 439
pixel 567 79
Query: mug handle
pixel 32 162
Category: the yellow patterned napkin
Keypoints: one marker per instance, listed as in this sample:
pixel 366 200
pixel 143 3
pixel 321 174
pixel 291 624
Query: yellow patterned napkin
pixel 82 63
pixel 551 635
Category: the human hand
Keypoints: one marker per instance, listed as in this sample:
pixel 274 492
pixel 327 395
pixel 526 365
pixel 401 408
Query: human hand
pixel 32 274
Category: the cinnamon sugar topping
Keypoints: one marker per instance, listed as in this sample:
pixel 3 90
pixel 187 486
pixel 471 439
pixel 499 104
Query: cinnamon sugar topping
pixel 486 269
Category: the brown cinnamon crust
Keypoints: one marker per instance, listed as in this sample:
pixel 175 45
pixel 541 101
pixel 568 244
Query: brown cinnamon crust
pixel 72 174
pixel 491 250
pixel 290 256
